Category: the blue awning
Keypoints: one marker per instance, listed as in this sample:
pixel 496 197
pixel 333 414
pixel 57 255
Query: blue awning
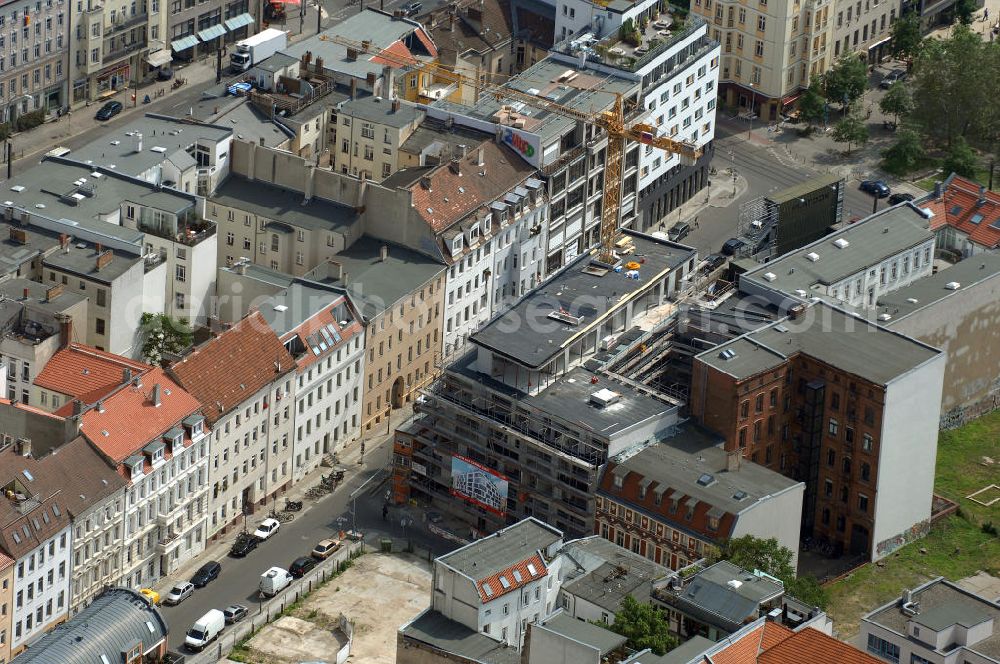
pixel 238 21
pixel 212 32
pixel 184 43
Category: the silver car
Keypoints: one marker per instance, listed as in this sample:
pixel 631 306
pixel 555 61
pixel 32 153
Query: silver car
pixel 179 593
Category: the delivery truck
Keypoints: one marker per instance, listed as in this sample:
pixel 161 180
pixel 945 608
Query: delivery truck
pixel 205 630
pixel 273 581
pixel 254 50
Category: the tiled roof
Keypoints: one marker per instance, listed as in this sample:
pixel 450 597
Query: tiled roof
pixel 321 320
pixel 741 651
pixel 957 208
pixel 225 371
pixel 130 420
pixel 452 197
pixel 5 561
pixel 85 373
pixel 458 34
pixel 773 635
pixel 506 580
pixel 811 646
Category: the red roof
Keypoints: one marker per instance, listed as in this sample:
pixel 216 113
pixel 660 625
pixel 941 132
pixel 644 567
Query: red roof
pixel 129 420
pixel 957 208
pixel 225 371
pixel 772 643
pixel 85 373
pixel 314 325
pixel 496 582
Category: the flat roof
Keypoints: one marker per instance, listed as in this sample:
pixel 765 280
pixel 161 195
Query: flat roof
pixel 438 631
pixel 284 205
pixel 81 260
pixel 932 289
pixel 595 636
pixel 504 548
pixel 13 254
pixel 376 109
pixel 605 574
pixel 801 189
pixel 526 333
pixel 828 334
pixel 296 304
pixel 432 131
pixel 870 241
pixel 37 295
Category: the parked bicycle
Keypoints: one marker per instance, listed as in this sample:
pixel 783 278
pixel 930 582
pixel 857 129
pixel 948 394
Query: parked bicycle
pixel 283 517
pixel 292 505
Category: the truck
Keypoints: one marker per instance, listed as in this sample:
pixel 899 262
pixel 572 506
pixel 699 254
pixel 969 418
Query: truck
pixel 254 50
pixel 273 581
pixel 205 629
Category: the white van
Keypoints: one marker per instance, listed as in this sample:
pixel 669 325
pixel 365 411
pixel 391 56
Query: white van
pixel 273 581
pixel 205 630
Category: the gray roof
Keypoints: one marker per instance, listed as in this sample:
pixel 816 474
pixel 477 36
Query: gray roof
pixel 603 640
pixel 14 289
pixel 872 240
pixel 116 621
pixel 13 254
pixel 725 595
pixel 682 654
pixel 595 573
pixel 376 109
pixel 284 205
pixel 516 333
pixel 432 131
pixel 932 289
pixel 801 189
pixel 262 274
pixel 443 633
pixel 276 62
pixel 301 300
pixel 504 548
pixel 374 284
pixel 941 605
pixel 172 134
pixel 826 333
pixel 81 260
pixel 678 463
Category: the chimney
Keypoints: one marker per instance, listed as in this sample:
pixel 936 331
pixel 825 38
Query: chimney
pixel 480 158
pixel 395 106
pixel 795 312
pixel 251 159
pixel 100 406
pixel 310 184
pixel 156 396
pixel 938 191
pixel 464 150
pixel 24 447
pixel 137 141
pixel 734 459
pixel 241 267
pixel 24 294
pixel 383 253
pixel 53 292
pixel 352 54
pixel 982 196
pixel 104 259
pixel 77 407
pixel 64 241
pixel 388 83
pixel 318 66
pixel 98 248
pixel 456 166
pixel 126 376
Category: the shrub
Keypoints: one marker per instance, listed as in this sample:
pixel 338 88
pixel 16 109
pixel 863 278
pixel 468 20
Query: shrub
pixel 30 120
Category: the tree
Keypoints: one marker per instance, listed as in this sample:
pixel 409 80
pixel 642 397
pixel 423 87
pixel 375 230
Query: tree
pixel 964 9
pixel 812 104
pixel 897 101
pixel 643 626
pixel 851 130
pixel 961 159
pixel 905 34
pixel 768 556
pixel 163 334
pixel 847 79
pixel 905 155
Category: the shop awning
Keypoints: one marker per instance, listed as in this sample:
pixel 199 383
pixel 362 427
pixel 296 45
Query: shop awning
pixel 238 21
pixel 184 43
pixel 159 58
pixel 212 32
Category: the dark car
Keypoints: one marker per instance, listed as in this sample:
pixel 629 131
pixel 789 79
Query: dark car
pixel 245 543
pixel 206 574
pixel 300 566
pixel 412 8
pixel 732 246
pixel 893 77
pixel 713 262
pixel 876 188
pixel 164 74
pixel 678 232
pixel 109 110
pixel 896 199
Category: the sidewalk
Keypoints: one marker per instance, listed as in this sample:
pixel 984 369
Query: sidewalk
pixel 722 192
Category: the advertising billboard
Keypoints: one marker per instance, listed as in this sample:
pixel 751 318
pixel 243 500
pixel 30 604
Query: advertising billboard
pixel 479 484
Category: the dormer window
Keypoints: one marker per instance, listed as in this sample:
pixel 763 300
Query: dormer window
pixel 135 466
pixel 195 425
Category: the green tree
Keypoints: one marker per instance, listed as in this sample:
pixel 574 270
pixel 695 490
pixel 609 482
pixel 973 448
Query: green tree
pixel 964 9
pixel 851 130
pixel 812 104
pixel 847 79
pixel 768 556
pixel 905 155
pixel 897 101
pixel 644 627
pixel 162 334
pixel 807 589
pixel 906 36
pixel 961 159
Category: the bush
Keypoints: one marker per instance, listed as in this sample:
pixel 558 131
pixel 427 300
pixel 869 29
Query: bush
pixel 5 131
pixel 989 528
pixel 30 120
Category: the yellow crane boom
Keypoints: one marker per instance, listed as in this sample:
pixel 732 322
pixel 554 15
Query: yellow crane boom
pixel 612 121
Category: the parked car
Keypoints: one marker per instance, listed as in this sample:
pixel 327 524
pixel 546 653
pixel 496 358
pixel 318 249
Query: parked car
pixel 325 548
pixel 151 595
pixel 109 110
pixel 267 528
pixel 273 581
pixel 179 593
pixel 896 199
pixel 732 246
pixel 678 232
pixel 412 8
pixel 164 73
pixel 235 613
pixel 205 630
pixel 893 77
pixel 244 544
pixel 876 188
pixel 713 262
pixel 206 574
pixel 300 566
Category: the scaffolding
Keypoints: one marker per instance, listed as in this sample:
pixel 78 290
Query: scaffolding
pixel 757 227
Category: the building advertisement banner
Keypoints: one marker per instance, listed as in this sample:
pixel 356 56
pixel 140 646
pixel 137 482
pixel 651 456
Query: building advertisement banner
pixel 478 484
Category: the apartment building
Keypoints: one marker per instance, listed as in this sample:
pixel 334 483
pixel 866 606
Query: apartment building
pixel 110 44
pixel 516 427
pixel 841 403
pixel 6 602
pixel 675 502
pixel 965 216
pixel 33 75
pixel 193 30
pixel 324 333
pixel 370 131
pixel 245 380
pixel 864 28
pixel 58 384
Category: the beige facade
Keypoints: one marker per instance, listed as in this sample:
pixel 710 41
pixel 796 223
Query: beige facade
pixel 862 26
pixel 370 132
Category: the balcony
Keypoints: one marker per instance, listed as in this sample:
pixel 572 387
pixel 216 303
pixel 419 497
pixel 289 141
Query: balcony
pixel 168 541
pixel 123 24
pixel 122 51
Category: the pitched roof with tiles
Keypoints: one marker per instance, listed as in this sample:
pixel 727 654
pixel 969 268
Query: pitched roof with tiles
pixel 129 419
pixel 452 196
pixel 511 578
pixel 225 371
pixel 811 646
pixel 456 35
pixel 85 373
pixel 961 207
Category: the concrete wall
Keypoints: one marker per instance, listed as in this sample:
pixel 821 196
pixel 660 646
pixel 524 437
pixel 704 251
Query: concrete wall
pixel 238 293
pixel 548 647
pixel 768 519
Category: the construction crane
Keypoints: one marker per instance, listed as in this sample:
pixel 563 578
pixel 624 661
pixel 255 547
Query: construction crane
pixel 612 121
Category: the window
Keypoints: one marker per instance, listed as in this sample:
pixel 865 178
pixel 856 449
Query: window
pixel 181 273
pixel 866 471
pixel 834 427
pixel 863 502
pixel 866 442
pixel 884 649
pixel 761 22
pixel 758 49
pixel 99 325
pixel 745 409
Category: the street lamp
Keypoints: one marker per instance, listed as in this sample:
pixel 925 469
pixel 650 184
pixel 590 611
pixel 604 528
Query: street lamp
pixel 752 95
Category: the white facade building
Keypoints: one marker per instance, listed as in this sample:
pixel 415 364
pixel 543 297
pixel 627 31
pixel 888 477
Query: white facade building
pixel 41 580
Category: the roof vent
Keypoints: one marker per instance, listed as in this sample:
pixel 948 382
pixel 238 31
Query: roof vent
pixel 727 354
pixel 604 397
pixel 734 584
pixel 564 316
pixel 813 256
pixel 706 480
pixel 770 276
pixel 841 243
pixel 884 317
pixel 280 308
pixel 953 285
pixel 800 292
